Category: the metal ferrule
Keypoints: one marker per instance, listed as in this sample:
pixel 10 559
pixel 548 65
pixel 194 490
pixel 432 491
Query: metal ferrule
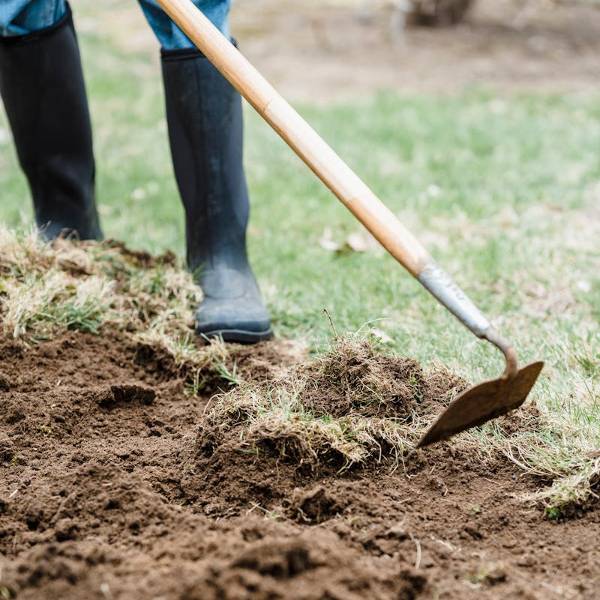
pixel 442 287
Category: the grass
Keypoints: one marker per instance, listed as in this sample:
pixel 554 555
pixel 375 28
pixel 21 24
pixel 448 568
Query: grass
pixel 504 190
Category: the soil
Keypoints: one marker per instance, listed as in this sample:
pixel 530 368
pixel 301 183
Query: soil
pixel 105 493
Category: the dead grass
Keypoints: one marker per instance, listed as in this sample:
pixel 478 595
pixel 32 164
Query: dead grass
pixel 47 288
pixel 355 405
pixel 356 376
pixel 564 458
pixel 558 448
pixel 272 421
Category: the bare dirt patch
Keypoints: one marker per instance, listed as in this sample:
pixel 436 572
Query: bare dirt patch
pixel 330 50
pixel 347 50
pixel 108 491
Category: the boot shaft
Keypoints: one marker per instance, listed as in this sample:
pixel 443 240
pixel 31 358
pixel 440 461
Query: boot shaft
pixel 204 114
pixel 42 86
pixel 205 119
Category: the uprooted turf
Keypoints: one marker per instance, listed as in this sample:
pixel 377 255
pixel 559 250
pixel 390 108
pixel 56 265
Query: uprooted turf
pixel 349 408
pixel 137 462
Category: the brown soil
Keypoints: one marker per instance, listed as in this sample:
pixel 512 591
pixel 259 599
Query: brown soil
pixel 105 493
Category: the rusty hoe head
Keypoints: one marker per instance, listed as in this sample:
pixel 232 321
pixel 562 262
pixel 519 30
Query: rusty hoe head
pixel 489 399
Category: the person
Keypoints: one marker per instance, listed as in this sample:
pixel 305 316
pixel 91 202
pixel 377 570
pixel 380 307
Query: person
pixel 42 86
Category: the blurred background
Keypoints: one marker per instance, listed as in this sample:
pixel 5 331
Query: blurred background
pixel 327 49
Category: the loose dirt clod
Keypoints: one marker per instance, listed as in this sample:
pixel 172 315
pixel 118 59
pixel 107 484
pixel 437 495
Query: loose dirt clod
pixel 315 506
pixel 122 394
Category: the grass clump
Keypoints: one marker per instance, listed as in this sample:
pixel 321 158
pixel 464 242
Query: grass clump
pixel 575 478
pixel 94 287
pixel 355 405
pixel 348 408
pixel 46 288
pixel 354 376
pixel 267 420
pixel 38 295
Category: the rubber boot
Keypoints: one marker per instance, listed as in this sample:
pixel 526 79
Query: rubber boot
pixel 204 115
pixel 41 83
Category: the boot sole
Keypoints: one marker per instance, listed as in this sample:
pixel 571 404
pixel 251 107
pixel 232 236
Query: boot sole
pixel 239 336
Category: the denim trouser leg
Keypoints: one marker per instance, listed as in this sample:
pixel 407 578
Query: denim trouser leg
pixel 169 35
pixel 19 17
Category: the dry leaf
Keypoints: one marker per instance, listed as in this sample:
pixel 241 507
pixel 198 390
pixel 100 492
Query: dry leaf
pixel 359 241
pixel 382 336
pixel 327 242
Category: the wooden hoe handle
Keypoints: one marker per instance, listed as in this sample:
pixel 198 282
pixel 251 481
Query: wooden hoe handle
pixel 327 165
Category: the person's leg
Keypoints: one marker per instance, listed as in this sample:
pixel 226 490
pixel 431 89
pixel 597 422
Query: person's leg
pixel 204 115
pixel 170 36
pixel 20 17
pixel 41 83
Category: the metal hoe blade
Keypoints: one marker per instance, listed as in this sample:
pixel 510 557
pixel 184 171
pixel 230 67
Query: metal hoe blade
pixel 483 402
pixel 487 400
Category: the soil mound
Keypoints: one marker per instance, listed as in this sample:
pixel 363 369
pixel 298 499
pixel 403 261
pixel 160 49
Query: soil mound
pixel 352 409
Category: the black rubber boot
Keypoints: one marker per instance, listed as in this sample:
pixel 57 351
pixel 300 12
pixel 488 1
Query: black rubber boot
pixel 41 83
pixel 204 114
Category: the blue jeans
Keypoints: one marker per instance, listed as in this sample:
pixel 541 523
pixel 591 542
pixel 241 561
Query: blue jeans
pixel 18 17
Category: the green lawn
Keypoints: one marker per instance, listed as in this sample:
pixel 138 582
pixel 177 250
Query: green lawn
pixel 504 190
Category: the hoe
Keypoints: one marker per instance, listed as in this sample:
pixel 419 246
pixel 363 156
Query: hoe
pixel 476 405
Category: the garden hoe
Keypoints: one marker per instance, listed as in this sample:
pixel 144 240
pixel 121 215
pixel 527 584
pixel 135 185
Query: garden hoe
pixel 477 404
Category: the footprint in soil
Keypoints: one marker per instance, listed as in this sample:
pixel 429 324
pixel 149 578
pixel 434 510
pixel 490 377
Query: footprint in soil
pixel 123 394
